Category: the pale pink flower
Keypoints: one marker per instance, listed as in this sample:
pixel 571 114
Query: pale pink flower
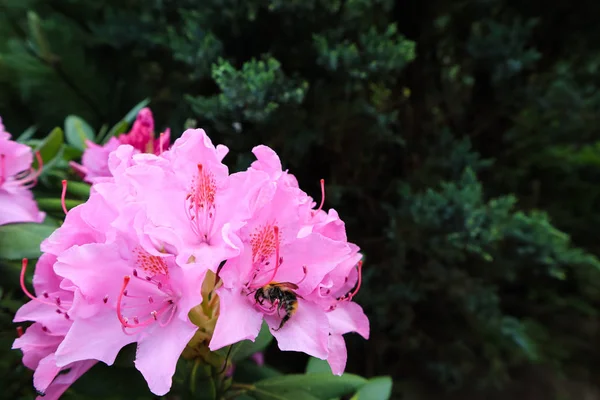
pixel 50 313
pixel 274 252
pixel 94 161
pixel 16 178
pixel 129 295
pixel 191 205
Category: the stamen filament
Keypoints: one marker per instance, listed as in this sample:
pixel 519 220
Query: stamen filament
pixel 24 288
pixel 322 196
pixel 63 195
pixel 277 263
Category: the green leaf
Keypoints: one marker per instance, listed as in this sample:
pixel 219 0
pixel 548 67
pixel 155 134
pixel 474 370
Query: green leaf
pixel 77 131
pixel 18 241
pixel 377 388
pixel 249 372
pixel 49 147
pixel 286 395
pixel 316 365
pixel 79 189
pixel 130 117
pixel 48 204
pixel 27 134
pixel 71 153
pixel 120 127
pixel 246 348
pixel 323 386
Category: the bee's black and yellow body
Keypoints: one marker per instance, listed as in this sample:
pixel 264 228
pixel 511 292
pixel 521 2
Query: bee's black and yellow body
pixel 283 294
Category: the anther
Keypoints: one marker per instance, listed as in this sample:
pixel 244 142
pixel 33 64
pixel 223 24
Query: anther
pixel 154 315
pixel 150 299
pixel 135 273
pixel 105 299
pixel 19 331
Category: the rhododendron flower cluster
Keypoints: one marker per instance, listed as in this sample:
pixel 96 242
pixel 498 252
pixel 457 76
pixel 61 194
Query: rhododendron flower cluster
pixel 172 252
pixel 141 137
pixel 16 178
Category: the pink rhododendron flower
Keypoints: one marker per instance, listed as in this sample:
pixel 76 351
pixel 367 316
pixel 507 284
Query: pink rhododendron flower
pixel 50 311
pixel 16 178
pixel 94 166
pixel 128 266
pixel 279 274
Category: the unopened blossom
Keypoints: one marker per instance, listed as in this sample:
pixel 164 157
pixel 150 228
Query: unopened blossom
pixel 141 137
pixel 16 179
pixel 279 250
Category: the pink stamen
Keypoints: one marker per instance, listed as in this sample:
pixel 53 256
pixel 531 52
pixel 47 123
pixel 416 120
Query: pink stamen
pixel 276 231
pixel 24 288
pixel 63 195
pixel 305 270
pixel 322 196
pixel 122 319
pixel 355 291
pixel 161 138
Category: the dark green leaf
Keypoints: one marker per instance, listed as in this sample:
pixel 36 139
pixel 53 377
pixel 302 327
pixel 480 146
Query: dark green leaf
pixel 323 386
pixel 316 365
pixel 27 134
pixel 56 205
pixel 249 372
pixel 78 131
pixel 50 146
pixel 246 348
pixel 18 241
pixel 120 127
pixel 130 117
pixel 379 388
pixel 79 189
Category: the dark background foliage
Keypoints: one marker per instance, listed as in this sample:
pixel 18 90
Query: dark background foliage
pixel 458 140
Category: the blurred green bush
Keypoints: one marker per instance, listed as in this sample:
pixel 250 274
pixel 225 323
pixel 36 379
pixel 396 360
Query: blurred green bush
pixel 459 141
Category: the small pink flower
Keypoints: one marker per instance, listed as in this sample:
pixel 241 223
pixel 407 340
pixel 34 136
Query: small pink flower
pixel 16 178
pixel 95 167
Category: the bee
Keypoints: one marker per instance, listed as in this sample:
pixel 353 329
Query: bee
pixel 283 293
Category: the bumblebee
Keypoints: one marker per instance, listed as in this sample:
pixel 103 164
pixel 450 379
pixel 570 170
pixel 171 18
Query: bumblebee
pixel 283 293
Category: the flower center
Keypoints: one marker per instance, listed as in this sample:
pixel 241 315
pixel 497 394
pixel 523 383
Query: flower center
pixel 146 296
pixel 200 203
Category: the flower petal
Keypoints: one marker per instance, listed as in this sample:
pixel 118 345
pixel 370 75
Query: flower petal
pixel 157 354
pixel 349 317
pixel 238 319
pixel 98 338
pixel 306 331
pixel 337 354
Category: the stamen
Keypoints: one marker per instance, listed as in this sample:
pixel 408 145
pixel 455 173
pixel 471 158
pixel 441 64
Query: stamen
pixel 322 196
pixel 24 288
pixel 122 319
pixel 305 270
pixel 350 295
pixel 63 195
pixel 276 232
pixel 19 331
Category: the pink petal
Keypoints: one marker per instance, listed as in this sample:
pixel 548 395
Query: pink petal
pixel 98 338
pixel 45 373
pixel 19 207
pixel 63 381
pixel 348 317
pixel 238 319
pixel 306 331
pixel 337 354
pixel 157 354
